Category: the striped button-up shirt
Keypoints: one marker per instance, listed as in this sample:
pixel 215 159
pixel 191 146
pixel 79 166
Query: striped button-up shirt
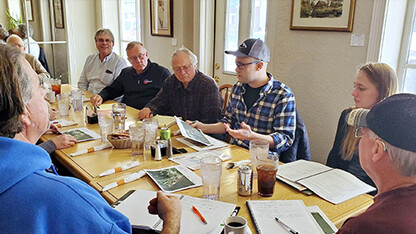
pixel 274 114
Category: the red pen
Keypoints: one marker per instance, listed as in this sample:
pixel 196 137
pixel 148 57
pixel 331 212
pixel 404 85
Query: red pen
pixel 196 211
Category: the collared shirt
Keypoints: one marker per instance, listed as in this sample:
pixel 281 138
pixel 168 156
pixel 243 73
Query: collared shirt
pixel 201 100
pixel 33 45
pixel 274 114
pixel 138 89
pixel 96 75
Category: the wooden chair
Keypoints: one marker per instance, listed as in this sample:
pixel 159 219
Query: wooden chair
pixel 225 91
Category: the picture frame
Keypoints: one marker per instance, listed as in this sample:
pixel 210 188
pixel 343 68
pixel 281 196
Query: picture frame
pixel 58 14
pixel 322 16
pixel 29 10
pixel 161 18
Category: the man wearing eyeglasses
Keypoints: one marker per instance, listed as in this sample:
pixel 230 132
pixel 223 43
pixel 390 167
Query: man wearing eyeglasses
pixel 102 68
pixel 138 83
pixel 260 107
pixel 188 93
pixel 387 151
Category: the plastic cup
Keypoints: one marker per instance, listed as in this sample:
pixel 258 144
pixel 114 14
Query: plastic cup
pixel 56 86
pixel 76 99
pixel 50 95
pixel 211 170
pixel 119 116
pixel 150 127
pixel 257 148
pixel 105 121
pixel 266 174
pixel 63 104
pixel 137 139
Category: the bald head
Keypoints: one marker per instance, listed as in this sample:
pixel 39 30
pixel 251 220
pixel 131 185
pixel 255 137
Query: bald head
pixel 17 42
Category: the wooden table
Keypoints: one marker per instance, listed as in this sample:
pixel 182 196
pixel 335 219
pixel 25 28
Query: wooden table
pixel 88 166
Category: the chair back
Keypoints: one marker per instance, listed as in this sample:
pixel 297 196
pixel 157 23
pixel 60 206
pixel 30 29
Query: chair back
pixel 225 91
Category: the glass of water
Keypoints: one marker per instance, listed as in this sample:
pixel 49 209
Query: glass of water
pixel 119 116
pixel 211 170
pixel 258 148
pixel 150 128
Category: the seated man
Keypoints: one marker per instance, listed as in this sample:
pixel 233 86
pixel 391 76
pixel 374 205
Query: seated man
pixel 17 42
pixel 35 201
pixel 102 68
pixel 260 107
pixel 388 154
pixel 188 93
pixel 138 83
pixel 31 46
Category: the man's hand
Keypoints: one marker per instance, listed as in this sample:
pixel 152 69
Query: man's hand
pixel 196 124
pixel 64 141
pixel 244 133
pixel 169 210
pixel 54 129
pixel 96 100
pixel 145 113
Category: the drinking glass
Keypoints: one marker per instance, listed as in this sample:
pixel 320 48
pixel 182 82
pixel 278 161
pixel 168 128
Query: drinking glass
pixel 266 174
pixel 56 86
pixel 150 127
pixel 76 99
pixel 119 116
pixel 63 104
pixel 211 170
pixel 137 139
pixel 257 148
pixel 105 121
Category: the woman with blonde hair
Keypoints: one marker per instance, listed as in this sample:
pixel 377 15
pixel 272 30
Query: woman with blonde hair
pixel 373 83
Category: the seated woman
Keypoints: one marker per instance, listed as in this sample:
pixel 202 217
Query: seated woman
pixel 373 83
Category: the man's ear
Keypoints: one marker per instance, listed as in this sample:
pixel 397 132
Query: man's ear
pixel 260 65
pixel 25 118
pixel 378 150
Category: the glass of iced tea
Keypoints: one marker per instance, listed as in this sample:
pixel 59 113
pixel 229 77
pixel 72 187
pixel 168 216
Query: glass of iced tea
pixel 266 173
pixel 56 86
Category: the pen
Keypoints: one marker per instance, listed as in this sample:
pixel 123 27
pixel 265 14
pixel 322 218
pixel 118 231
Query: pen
pixel 236 210
pixel 196 211
pixel 289 229
pixel 127 179
pixel 122 168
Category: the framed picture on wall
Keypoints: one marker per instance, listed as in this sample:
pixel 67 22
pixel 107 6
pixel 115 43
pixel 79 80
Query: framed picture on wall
pixel 58 12
pixel 335 15
pixel 29 10
pixel 161 18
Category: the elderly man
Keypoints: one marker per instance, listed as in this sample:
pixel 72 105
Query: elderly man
pixel 102 68
pixel 138 83
pixel 188 93
pixel 260 107
pixel 17 42
pixel 31 46
pixel 42 201
pixel 388 154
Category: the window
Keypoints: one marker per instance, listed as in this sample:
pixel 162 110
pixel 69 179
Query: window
pixel 409 67
pixel 130 27
pixel 239 28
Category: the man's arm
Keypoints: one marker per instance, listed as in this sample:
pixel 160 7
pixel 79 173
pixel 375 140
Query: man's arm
pixel 215 128
pixel 245 133
pixel 211 104
pixel 169 210
pixel 159 102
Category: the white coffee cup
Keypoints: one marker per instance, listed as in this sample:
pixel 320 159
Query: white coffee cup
pixel 236 225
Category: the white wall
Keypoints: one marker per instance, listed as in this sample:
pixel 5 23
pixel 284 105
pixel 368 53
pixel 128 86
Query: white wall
pixel 319 66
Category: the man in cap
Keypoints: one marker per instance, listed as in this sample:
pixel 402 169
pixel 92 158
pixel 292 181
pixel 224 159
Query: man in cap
pixel 260 107
pixel 388 154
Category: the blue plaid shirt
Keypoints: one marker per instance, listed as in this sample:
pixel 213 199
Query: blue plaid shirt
pixel 274 114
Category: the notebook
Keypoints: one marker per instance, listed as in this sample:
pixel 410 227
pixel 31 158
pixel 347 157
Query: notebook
pixel 333 185
pixel 293 213
pixel 135 208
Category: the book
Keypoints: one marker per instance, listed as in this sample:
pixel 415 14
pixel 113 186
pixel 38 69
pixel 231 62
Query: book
pixel 135 208
pixel 333 185
pixel 192 133
pixel 198 146
pixel 175 178
pixel 82 134
pixel 293 213
pixel 193 160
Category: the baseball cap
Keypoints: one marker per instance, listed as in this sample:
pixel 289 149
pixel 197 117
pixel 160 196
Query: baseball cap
pixel 252 47
pixel 393 120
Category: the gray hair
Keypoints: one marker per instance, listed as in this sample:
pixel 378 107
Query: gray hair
pixel 132 44
pixel 403 161
pixel 104 31
pixel 15 91
pixel 192 57
pixel 22 28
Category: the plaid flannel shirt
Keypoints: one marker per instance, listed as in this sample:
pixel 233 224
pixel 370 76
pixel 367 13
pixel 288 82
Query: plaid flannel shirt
pixel 274 114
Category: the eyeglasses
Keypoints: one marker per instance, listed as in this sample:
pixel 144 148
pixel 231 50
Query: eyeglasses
pixel 358 132
pixel 185 68
pixel 139 56
pixel 102 40
pixel 241 66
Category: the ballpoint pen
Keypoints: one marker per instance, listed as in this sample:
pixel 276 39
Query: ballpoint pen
pixel 289 229
pixel 127 179
pixel 122 168
pixel 196 211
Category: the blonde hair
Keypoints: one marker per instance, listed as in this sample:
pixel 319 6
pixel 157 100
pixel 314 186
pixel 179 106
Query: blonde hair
pixel 385 80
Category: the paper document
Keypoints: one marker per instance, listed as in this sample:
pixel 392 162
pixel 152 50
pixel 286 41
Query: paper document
pixel 60 123
pixel 192 133
pixel 193 160
pixel 198 146
pixel 333 185
pixel 213 211
pixel 175 178
pixel 83 134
